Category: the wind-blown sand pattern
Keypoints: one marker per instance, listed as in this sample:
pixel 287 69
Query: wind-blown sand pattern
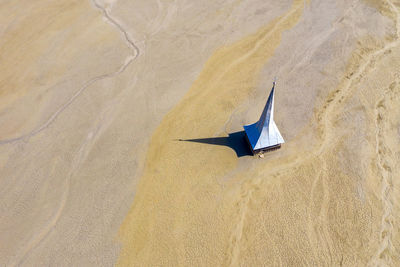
pixel 95 97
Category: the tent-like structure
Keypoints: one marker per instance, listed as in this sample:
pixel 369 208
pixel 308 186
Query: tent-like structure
pixel 264 134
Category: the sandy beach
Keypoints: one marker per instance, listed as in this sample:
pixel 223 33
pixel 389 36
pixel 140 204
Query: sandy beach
pixel 119 133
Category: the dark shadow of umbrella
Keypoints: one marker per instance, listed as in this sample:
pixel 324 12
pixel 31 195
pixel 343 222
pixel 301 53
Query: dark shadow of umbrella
pixel 236 141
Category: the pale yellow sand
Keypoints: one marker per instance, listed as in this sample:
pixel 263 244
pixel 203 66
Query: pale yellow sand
pixel 94 95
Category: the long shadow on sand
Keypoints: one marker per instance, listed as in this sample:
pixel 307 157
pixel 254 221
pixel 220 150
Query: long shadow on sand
pixel 236 141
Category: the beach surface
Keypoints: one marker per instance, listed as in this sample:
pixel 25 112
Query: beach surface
pixel 121 133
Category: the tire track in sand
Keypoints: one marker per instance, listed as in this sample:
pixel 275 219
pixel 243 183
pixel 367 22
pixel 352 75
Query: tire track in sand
pixel 385 162
pixel 320 236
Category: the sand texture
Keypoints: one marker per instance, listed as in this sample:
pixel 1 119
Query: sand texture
pixel 120 137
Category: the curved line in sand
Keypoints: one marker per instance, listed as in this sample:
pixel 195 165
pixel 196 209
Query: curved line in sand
pixel 259 42
pixel 78 159
pixel 36 240
pixel 121 69
pixel 385 168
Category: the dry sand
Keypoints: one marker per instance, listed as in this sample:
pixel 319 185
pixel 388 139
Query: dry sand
pixel 95 96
